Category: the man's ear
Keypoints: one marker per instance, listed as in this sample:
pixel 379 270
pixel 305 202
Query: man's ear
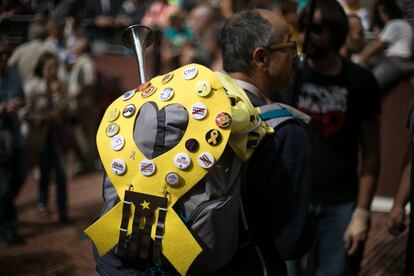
pixel 260 58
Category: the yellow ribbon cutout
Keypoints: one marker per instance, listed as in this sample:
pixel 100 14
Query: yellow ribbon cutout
pixel 178 244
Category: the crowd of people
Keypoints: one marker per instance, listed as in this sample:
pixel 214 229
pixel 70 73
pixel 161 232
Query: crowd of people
pixel 354 57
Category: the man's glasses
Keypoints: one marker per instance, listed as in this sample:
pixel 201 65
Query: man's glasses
pixel 278 46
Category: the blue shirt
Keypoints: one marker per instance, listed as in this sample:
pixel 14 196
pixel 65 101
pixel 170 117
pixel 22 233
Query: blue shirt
pixel 10 88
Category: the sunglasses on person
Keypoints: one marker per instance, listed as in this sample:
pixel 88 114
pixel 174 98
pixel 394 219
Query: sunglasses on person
pixel 278 46
pixel 315 28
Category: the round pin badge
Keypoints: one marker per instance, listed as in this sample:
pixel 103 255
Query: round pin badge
pixel 192 145
pixel 118 166
pixel 166 78
pixel 198 111
pixel 213 137
pixel 172 179
pixel 206 160
pixel 182 161
pixel 166 94
pixel 128 95
pixel 117 142
pixel 203 88
pixel 147 167
pixel 148 91
pixel 113 114
pixel 223 120
pixel 143 86
pixel 112 129
pixel 190 72
pixel 128 111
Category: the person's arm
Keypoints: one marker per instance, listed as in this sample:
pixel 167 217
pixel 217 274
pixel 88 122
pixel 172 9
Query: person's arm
pixel 386 37
pixel 297 232
pixel 374 48
pixel 396 217
pixel 370 162
pixel 17 99
pixel 357 231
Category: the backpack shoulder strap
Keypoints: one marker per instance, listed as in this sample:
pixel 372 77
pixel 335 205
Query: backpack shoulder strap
pixel 277 113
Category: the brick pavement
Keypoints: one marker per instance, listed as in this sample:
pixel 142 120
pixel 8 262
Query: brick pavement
pixel 55 249
pixel 52 248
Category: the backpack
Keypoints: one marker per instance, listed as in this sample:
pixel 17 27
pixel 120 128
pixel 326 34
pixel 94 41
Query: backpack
pixel 176 171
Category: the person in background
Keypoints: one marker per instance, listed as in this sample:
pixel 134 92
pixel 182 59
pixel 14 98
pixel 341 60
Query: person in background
pixel 158 14
pixel 355 40
pixel 100 21
pixel 353 7
pixel 26 55
pixel 175 37
pixel 55 42
pixel 343 100
pixel 12 166
pixel 200 20
pixel 392 48
pixel 157 18
pixel 81 93
pixel 289 11
pixel 212 46
pixel 131 12
pixel 49 138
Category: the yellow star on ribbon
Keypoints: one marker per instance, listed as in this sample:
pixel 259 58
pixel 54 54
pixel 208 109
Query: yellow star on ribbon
pixel 145 205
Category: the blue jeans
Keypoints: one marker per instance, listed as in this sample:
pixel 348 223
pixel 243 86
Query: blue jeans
pixel 328 256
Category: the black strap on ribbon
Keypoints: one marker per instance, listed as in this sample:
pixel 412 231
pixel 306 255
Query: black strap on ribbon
pixel 135 236
pixel 138 245
pixel 159 233
pixel 123 242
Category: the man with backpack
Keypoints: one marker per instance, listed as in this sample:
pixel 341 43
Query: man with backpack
pixel 206 109
pixel 259 55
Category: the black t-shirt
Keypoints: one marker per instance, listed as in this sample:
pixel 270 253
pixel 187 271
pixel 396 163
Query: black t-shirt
pixel 338 105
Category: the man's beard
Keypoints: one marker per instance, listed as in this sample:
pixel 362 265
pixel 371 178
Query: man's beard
pixel 315 52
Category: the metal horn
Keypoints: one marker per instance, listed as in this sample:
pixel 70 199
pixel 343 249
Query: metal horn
pixel 138 37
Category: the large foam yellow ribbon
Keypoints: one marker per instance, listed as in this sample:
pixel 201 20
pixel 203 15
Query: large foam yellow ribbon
pixel 178 244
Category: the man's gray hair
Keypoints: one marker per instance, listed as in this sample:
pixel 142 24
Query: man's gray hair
pixel 240 36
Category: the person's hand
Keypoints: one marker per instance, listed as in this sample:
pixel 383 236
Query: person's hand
pixel 396 220
pixel 13 105
pixel 356 59
pixel 357 231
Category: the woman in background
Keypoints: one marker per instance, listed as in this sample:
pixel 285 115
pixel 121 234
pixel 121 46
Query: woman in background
pixel 48 135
